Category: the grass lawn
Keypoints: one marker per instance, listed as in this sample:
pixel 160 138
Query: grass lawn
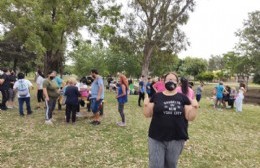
pixel 217 139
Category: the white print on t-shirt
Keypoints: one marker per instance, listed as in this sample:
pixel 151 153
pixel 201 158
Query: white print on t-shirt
pixel 172 108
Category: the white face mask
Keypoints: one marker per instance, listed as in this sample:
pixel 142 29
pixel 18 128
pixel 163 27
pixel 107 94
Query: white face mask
pixel 1 72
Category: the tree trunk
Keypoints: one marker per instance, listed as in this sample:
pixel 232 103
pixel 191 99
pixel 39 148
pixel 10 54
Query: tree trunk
pixel 148 49
pixel 15 65
pixel 54 61
pixel 47 62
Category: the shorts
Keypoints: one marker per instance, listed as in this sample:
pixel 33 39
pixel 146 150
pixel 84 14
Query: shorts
pixel 95 105
pixel 219 98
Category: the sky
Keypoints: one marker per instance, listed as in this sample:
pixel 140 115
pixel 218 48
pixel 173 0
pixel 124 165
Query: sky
pixel 212 26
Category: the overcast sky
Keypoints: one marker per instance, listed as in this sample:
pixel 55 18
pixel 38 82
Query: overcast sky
pixel 212 25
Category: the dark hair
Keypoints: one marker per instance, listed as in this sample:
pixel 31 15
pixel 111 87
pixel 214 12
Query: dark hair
pixel 175 74
pixel 89 80
pixel 50 72
pixel 191 84
pixel 20 75
pixel 242 85
pixel 184 85
pixel 83 80
pixel 40 73
pixel 4 70
pixel 95 71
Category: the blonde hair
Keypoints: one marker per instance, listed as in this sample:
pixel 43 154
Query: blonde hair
pixel 72 81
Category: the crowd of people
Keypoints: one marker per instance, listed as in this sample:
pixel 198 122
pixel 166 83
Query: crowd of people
pixel 226 97
pixel 170 101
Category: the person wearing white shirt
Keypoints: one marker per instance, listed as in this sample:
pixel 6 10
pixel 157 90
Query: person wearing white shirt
pixel 39 82
pixel 22 86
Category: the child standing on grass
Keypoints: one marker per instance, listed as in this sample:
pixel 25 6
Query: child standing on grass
pixel 239 99
pixel 22 86
pixel 122 97
pixel 72 95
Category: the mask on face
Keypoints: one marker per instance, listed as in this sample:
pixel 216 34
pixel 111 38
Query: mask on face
pixel 170 86
pixel 51 77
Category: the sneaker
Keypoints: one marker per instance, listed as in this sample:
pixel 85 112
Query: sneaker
pixel 48 122
pixel 79 114
pixel 29 113
pixel 121 124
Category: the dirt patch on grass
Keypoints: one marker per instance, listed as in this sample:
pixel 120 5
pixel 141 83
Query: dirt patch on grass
pixel 252 96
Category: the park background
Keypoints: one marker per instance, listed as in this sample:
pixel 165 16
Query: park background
pixel 136 39
pixel 218 137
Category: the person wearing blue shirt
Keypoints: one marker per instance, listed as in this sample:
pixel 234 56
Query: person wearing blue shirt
pixel 219 93
pixel 97 95
pixel 141 91
pixel 149 87
pixel 59 82
pixel 57 79
pixel 121 97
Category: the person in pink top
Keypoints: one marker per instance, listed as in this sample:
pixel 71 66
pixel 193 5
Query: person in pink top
pixel 185 89
pixel 159 85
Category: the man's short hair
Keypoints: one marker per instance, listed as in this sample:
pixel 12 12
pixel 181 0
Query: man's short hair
pixel 95 71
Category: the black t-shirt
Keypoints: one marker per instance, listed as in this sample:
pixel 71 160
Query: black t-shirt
pixel 6 84
pixel 12 79
pixel 168 121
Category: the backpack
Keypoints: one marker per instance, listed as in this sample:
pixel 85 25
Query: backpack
pixel 22 88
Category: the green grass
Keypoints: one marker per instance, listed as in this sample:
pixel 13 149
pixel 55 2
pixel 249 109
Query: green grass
pixel 217 139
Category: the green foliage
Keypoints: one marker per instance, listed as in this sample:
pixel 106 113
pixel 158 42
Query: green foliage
pixel 163 61
pixel 231 60
pixel 256 78
pixel 118 58
pixel 216 63
pixel 123 56
pixel 44 25
pixel 249 43
pixel 157 26
pixel 205 76
pixel 87 57
pixel 14 56
pixel 193 66
pixel 222 75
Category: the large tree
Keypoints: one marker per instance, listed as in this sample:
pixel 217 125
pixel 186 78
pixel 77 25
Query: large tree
pixel 193 66
pixel 216 62
pixel 157 26
pixel 44 25
pixel 15 56
pixel 249 42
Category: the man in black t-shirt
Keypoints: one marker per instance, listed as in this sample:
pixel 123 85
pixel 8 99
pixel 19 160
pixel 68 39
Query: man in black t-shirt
pixel 11 92
pixel 4 86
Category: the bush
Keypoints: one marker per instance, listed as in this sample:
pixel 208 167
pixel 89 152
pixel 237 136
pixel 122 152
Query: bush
pixel 205 76
pixel 256 78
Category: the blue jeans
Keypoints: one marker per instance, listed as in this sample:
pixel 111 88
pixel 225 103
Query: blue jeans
pixel 95 105
pixel 21 100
